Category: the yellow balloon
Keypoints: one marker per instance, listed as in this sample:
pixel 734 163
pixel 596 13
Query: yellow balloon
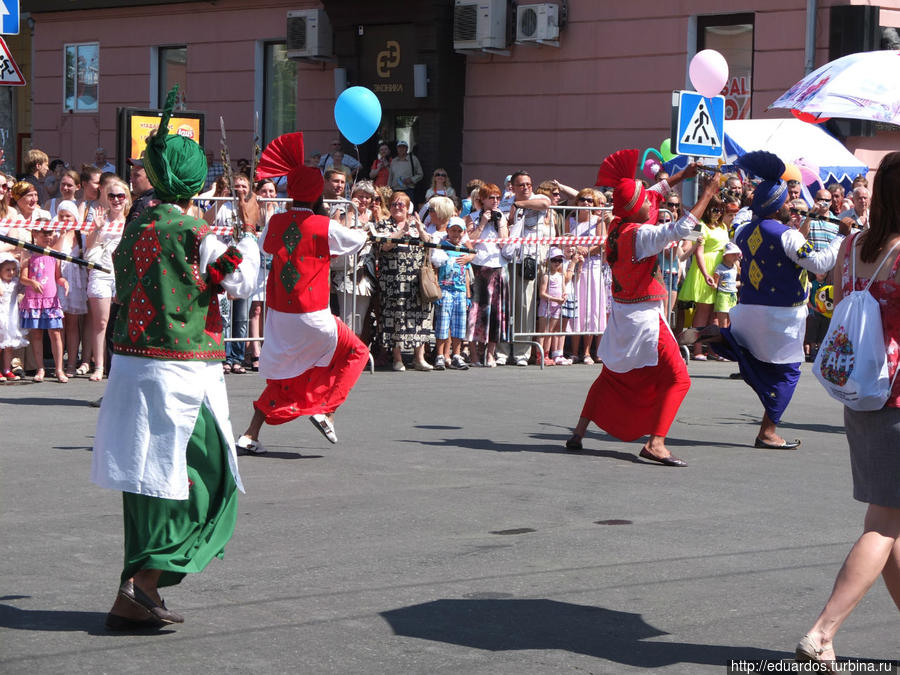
pixel 792 172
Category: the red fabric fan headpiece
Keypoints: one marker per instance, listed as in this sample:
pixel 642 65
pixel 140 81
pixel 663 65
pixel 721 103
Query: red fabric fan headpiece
pixel 284 157
pixel 618 172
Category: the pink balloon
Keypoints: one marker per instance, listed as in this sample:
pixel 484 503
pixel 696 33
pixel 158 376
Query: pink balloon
pixel 651 168
pixel 709 72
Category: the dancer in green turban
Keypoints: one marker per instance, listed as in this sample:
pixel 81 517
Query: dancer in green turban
pixel 163 436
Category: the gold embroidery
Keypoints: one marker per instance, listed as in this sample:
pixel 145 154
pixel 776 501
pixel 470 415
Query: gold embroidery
pixel 754 241
pixel 755 274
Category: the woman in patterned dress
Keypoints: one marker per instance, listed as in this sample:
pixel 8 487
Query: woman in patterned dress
pixel 404 323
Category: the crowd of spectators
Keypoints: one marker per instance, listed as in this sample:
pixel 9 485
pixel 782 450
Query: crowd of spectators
pixel 497 299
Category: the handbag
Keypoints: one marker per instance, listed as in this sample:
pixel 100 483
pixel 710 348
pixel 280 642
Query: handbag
pixel 529 268
pixel 429 288
pixel 852 359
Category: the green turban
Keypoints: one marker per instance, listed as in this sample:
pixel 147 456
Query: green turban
pixel 175 165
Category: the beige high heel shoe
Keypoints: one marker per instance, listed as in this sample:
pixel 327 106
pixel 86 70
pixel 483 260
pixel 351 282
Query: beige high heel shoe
pixel 807 651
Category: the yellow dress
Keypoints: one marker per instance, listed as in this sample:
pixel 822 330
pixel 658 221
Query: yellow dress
pixel 694 288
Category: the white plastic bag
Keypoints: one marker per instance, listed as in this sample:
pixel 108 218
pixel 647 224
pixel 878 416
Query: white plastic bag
pixel 852 360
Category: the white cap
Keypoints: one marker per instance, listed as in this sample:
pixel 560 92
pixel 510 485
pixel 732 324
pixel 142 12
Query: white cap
pixel 68 205
pixel 456 221
pixel 555 252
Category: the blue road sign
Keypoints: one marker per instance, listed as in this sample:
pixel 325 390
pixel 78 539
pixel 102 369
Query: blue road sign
pixel 700 127
pixel 9 17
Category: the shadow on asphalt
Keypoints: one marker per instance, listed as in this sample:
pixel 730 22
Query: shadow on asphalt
pixel 34 400
pixel 280 455
pixel 61 621
pixel 815 428
pixel 558 447
pixel 514 624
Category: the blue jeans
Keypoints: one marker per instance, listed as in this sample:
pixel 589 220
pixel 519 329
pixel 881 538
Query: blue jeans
pixel 238 322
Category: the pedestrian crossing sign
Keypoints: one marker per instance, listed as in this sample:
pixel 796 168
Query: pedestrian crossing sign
pixel 699 124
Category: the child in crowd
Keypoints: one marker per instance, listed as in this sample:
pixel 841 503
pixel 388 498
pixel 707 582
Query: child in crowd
pixel 817 321
pixel 11 337
pixel 40 308
pixel 74 303
pixel 573 266
pixel 725 277
pixel 552 294
pixel 450 311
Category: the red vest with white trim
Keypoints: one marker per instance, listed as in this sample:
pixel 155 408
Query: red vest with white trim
pixel 299 279
pixel 632 280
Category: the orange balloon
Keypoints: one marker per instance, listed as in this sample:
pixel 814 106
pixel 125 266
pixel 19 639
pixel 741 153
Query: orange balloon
pixel 792 172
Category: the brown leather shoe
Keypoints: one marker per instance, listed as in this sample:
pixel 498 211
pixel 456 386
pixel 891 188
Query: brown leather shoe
pixel 159 611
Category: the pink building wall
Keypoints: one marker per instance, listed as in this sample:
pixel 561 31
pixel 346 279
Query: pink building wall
pixel 559 111
pixel 221 44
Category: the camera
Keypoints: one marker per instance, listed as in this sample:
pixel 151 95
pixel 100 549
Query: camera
pixel 495 217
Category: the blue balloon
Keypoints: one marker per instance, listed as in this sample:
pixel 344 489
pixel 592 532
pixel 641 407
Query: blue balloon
pixel 357 113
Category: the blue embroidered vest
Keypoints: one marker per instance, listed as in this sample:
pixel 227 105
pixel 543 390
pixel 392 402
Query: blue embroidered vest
pixel 768 276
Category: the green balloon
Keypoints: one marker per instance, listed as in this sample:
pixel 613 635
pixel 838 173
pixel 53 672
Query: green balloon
pixel 665 149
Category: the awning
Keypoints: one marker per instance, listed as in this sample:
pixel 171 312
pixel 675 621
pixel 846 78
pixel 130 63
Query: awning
pixel 791 140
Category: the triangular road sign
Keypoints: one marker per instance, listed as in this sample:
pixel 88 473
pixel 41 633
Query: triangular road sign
pixel 700 129
pixel 10 74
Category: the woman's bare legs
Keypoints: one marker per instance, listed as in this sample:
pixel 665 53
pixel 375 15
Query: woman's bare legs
pixel 873 554
pixel 703 313
pixel 99 319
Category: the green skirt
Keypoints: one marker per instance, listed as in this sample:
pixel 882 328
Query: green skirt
pixel 182 536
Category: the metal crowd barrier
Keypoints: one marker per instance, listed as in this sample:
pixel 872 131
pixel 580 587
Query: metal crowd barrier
pixel 348 263
pixel 524 296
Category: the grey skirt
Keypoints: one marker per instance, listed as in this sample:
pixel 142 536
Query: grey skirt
pixel 874 439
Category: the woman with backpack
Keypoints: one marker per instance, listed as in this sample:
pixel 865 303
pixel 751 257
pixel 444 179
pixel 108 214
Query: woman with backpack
pixel 873 436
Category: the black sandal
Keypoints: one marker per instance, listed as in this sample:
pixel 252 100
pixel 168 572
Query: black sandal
pixel 574 443
pixel 238 369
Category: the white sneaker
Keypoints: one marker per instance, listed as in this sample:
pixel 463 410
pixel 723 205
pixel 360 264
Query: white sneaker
pixel 324 425
pixel 423 366
pixel 521 361
pixel 439 363
pixel 500 360
pixel 563 361
pixel 249 445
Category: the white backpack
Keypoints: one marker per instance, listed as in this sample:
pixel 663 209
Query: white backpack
pixel 852 360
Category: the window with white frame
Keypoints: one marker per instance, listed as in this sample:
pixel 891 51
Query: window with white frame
pixel 82 77
pixel 279 101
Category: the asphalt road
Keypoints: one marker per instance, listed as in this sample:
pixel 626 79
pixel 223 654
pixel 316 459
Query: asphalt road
pixel 450 532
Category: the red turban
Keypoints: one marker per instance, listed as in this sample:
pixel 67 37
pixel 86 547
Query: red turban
pixel 618 172
pixel 284 157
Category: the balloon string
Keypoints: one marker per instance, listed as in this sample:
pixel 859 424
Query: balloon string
pixel 359 168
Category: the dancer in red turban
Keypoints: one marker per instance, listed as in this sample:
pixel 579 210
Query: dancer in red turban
pixel 310 358
pixel 644 378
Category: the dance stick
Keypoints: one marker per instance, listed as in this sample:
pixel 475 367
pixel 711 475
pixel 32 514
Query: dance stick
pixel 53 254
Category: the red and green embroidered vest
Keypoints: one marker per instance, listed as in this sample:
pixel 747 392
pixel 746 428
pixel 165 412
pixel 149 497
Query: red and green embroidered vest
pixel 633 280
pixel 169 311
pixel 298 281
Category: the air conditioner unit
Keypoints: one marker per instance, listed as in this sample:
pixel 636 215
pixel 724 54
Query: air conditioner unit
pixel 538 23
pixel 479 24
pixel 309 35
